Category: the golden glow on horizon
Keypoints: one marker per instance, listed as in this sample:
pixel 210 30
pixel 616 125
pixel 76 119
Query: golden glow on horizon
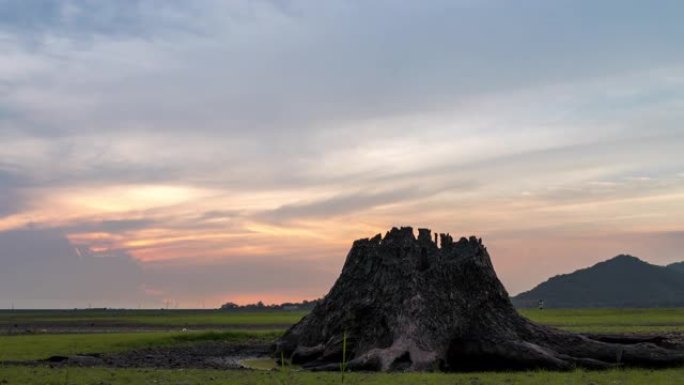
pixel 279 231
pixel 179 230
pixel 268 298
pixel 200 228
pixel 126 198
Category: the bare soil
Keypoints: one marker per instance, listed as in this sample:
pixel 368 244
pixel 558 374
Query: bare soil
pixel 198 355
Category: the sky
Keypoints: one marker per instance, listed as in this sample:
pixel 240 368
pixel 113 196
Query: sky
pixel 190 153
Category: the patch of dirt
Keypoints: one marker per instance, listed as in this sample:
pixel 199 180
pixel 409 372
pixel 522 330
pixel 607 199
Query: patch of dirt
pixel 202 355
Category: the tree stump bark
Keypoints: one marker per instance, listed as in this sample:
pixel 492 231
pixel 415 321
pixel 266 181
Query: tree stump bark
pixel 403 303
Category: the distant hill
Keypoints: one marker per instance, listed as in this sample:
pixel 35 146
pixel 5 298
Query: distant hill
pixel 679 266
pixel 623 281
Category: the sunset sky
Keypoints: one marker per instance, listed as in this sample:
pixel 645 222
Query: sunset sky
pixel 198 152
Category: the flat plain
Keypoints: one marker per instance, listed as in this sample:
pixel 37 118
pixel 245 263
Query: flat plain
pixel 29 337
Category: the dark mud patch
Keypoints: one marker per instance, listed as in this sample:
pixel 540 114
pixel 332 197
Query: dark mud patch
pixel 200 355
pixel 204 355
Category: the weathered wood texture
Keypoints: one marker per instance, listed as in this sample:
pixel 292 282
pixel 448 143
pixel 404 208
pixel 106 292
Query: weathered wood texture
pixel 404 303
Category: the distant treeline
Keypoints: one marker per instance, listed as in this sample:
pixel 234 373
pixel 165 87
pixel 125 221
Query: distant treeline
pixel 259 306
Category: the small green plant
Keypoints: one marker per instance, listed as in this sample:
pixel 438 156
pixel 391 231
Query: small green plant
pixel 343 364
pixel 285 376
pixel 66 376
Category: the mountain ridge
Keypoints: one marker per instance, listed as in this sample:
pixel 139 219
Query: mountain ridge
pixel 621 281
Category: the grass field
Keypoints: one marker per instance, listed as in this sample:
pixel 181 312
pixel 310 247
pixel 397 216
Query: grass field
pixel 102 376
pixel 579 320
pixel 610 320
pixel 36 347
pixel 42 345
pixel 178 318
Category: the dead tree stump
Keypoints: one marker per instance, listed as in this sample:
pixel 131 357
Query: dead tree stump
pixel 403 303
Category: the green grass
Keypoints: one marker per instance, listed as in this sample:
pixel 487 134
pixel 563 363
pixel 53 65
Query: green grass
pixel 34 347
pixel 610 320
pixel 92 376
pixel 39 346
pixel 579 320
pixel 260 363
pixel 150 317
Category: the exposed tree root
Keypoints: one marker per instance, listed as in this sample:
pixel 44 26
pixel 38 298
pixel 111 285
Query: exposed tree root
pixel 402 303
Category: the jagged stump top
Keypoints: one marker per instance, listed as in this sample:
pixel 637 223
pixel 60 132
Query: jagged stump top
pixel 407 303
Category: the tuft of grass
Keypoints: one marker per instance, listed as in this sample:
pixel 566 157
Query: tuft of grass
pixel 343 364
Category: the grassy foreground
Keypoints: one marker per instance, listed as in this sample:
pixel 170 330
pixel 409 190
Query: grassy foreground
pixel 579 320
pixel 36 347
pixel 610 320
pixel 39 346
pixel 177 318
pixel 101 376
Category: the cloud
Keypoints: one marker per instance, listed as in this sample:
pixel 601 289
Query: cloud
pixel 10 202
pixel 42 268
pixel 110 226
pixel 337 205
pixel 255 67
pixel 217 131
pixel 11 199
pixel 86 20
pixel 268 89
pixel 269 278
